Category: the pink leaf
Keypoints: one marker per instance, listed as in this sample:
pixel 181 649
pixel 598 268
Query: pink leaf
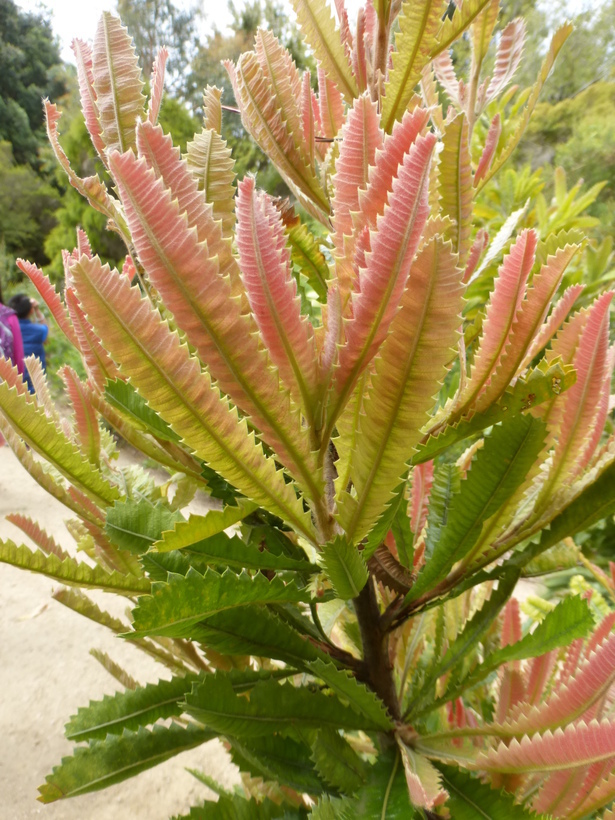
pixel 476 251
pixel 272 292
pixel 37 535
pixel 157 85
pixel 445 72
pixel 165 160
pixel 83 58
pixel 393 246
pixel 558 316
pixel 491 143
pixel 574 415
pixel 511 627
pixel 359 64
pixel 188 279
pixel 557 791
pixel 502 310
pixel 510 49
pixel 540 671
pixel 97 361
pixel 331 105
pixel 308 124
pixel 422 480
pixel 528 320
pixel 51 298
pixel 602 412
pixel 88 432
pixel 592 679
pixel 362 137
pixel 578 744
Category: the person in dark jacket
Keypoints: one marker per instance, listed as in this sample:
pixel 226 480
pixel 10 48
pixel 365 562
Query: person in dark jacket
pixel 34 329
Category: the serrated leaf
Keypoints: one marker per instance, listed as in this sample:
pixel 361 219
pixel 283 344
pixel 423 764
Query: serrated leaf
pixel 469 799
pixel 118 84
pixel 175 385
pixel 70 571
pixel 200 527
pixel 542 384
pixel 272 707
pixel 305 251
pixel 254 630
pixel 499 469
pixel 385 794
pixel 185 269
pixel 174 608
pixel 222 550
pixel 129 710
pixel 272 293
pixel 345 568
pixel 134 525
pixel 211 163
pixel 42 434
pixel 363 700
pixel 467 639
pixel 122 394
pixel 419 24
pixel 568 621
pixel 105 762
pixel 408 372
pixel 337 762
pixel 238 808
pixel 319 29
pixel 455 184
pixel 277 758
pixel 452 28
pixel 558 40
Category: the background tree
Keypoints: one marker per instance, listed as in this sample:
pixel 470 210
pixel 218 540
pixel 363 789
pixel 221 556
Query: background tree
pixel 154 23
pixel 30 68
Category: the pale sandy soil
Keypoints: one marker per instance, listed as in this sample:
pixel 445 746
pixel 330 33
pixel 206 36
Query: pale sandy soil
pixel 46 673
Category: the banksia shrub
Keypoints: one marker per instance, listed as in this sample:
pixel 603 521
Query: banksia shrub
pixel 342 619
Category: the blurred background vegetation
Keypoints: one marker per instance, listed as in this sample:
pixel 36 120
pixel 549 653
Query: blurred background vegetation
pixel 561 177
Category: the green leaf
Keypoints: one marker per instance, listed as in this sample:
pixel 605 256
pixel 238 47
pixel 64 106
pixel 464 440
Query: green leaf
pixel 129 710
pixel 42 435
pixel 379 532
pixel 70 571
pixel 530 391
pixel 596 502
pixel 272 707
pixel 306 254
pixel 254 630
pixel 469 799
pixel 319 29
pixel 238 808
pixel 465 642
pixel 174 608
pixel 385 794
pixel 199 527
pixel 499 469
pixel 125 398
pixel 337 762
pixel 332 808
pixel 365 702
pixel 419 23
pixel 345 568
pixel 278 758
pixel 224 550
pixel 105 762
pixel 134 525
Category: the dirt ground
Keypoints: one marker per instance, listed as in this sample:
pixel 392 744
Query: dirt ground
pixel 46 673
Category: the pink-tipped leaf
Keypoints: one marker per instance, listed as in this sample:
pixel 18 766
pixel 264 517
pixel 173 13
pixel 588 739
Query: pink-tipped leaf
pixel 272 292
pixel 491 143
pixel 382 282
pixel 83 58
pixel 157 85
